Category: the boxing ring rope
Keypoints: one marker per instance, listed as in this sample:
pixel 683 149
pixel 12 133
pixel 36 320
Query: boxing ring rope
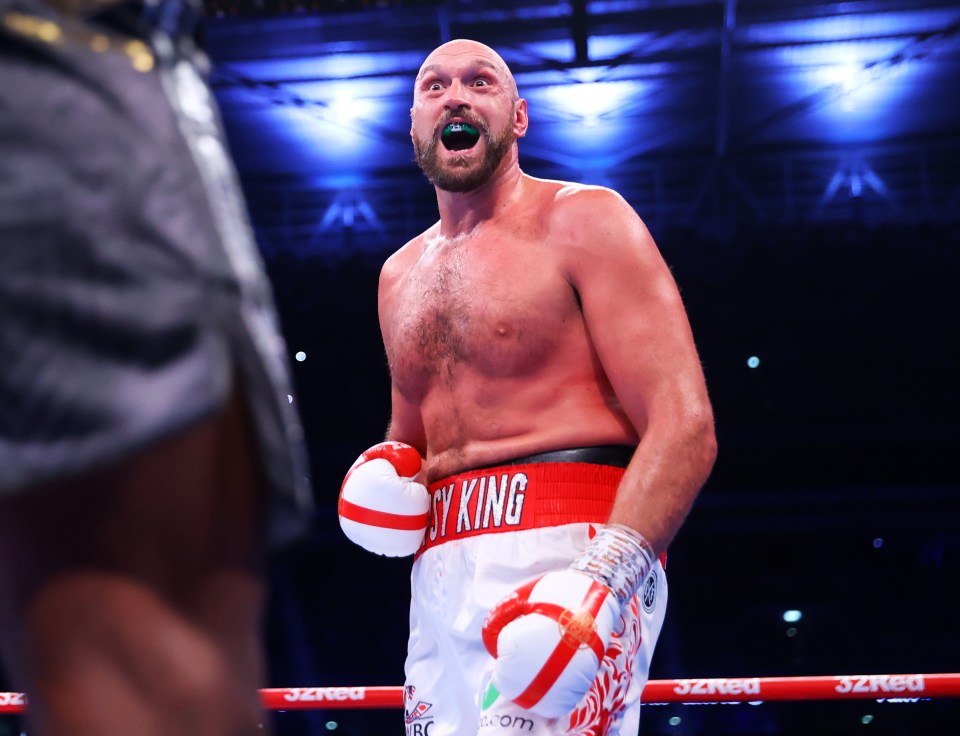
pixel 705 690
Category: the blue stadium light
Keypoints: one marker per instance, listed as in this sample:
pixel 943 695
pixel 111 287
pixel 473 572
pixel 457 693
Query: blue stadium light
pixel 338 121
pixel 850 86
pixel 327 114
pixel 619 44
pixel 847 77
pixel 300 356
pixel 354 63
pixel 347 110
pixel 590 99
pixel 560 49
pixel 586 125
pixel 792 616
pixel 753 361
pixel 858 73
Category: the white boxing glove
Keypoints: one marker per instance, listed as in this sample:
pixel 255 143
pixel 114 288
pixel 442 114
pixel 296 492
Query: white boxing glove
pixel 549 636
pixel 382 507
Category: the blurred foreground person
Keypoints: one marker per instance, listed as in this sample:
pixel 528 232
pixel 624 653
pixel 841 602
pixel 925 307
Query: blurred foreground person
pixel 148 453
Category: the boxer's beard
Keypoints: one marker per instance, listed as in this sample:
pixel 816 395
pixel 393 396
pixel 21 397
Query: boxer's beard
pixel 460 174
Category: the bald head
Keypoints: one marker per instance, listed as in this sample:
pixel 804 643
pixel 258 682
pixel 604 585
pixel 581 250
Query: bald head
pixel 463 49
pixel 468 83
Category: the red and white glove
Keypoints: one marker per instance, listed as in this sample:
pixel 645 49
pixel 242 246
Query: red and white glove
pixel 382 507
pixel 549 636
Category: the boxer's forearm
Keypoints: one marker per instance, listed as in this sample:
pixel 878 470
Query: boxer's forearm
pixel 664 477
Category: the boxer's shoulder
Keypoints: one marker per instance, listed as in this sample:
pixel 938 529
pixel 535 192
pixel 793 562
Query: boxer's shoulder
pixel 583 208
pixel 399 263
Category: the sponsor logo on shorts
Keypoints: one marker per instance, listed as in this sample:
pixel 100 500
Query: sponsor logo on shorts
pixel 649 595
pixel 490 696
pixel 881 684
pixel 415 718
pixel 418 728
pixel 485 502
pixel 506 721
pixel 500 721
pixel 417 712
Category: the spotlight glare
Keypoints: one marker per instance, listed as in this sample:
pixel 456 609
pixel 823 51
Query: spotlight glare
pixel 753 361
pixel 792 616
pixel 300 356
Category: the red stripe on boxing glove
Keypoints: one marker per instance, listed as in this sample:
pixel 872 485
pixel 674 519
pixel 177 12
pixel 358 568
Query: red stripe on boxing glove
pixel 549 638
pixel 382 507
pixel 550 635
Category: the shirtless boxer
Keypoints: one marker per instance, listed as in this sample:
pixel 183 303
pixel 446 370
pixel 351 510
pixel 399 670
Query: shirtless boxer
pixel 543 370
pixel 145 435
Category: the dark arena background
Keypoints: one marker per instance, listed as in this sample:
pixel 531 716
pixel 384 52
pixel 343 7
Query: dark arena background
pixel 798 163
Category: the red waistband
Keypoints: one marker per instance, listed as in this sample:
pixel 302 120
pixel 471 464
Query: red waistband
pixel 514 497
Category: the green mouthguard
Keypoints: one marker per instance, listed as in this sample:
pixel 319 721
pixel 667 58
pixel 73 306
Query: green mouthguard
pixel 452 128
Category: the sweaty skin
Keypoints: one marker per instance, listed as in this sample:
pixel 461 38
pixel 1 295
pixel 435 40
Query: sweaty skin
pixel 537 315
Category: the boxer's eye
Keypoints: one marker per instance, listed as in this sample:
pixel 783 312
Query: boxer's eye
pixel 459 136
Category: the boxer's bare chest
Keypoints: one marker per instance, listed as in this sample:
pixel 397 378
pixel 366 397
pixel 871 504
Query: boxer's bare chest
pixel 491 305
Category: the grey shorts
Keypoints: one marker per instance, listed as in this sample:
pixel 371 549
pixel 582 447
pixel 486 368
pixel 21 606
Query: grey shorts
pixel 132 294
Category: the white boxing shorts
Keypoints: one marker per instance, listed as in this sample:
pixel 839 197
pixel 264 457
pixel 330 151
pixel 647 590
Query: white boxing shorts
pixel 491 530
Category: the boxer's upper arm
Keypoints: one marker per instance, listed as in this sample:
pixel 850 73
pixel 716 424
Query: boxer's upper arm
pixel 639 328
pixel 406 423
pixel 632 309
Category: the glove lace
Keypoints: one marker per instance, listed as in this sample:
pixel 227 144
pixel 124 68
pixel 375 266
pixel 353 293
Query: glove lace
pixel 618 557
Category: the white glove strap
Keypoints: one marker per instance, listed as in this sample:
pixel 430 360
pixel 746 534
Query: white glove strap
pixel 618 557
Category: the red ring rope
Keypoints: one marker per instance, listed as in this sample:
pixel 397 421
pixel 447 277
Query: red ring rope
pixel 705 690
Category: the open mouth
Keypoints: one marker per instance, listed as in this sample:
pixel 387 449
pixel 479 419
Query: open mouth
pixel 459 136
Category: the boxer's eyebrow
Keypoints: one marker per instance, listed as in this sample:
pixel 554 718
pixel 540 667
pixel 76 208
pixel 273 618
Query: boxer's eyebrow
pixel 426 70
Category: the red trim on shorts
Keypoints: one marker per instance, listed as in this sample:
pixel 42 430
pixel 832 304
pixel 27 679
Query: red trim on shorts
pixel 509 498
